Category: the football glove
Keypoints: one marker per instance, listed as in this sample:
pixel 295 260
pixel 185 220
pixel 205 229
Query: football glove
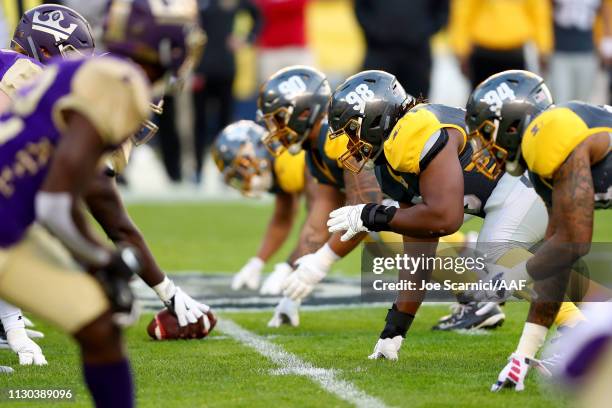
pixel 514 373
pixel 347 219
pixel 273 285
pixel 312 268
pixel 286 312
pixel 115 279
pixel 186 309
pixel 387 348
pixel 249 275
pixel 28 351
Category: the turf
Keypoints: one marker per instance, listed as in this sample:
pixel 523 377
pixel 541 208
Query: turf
pixel 435 369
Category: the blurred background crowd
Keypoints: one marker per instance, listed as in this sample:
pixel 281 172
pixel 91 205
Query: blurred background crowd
pixel 439 49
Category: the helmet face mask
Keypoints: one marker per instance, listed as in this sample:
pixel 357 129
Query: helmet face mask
pixel 280 136
pixel 149 129
pixel 487 156
pixel 357 150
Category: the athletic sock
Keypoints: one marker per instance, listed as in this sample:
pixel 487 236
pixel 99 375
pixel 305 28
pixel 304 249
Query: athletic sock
pixel 110 385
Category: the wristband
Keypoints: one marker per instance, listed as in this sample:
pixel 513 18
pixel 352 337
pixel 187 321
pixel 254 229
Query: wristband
pixel 532 339
pixel 326 256
pixel 376 217
pixel 165 290
pixel 398 323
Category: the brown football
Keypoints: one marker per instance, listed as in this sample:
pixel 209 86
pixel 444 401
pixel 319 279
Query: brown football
pixel 164 326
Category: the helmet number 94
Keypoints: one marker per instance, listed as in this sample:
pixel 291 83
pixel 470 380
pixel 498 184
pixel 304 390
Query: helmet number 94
pixel 292 87
pixel 359 97
pixel 495 98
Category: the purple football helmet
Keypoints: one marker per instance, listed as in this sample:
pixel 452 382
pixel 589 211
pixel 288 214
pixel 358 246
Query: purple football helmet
pixel 50 30
pixel 163 33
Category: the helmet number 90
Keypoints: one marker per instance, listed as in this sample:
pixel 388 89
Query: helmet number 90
pixel 359 97
pixel 495 98
pixel 292 87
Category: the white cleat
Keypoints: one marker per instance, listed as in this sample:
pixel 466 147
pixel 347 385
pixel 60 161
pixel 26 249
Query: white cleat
pixel 286 312
pixel 387 348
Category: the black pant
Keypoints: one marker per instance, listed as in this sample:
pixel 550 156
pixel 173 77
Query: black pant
pixel 411 66
pixel 486 62
pixel 215 103
pixel 169 140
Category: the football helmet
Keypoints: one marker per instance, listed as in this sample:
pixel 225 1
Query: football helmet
pixel 497 113
pixel 50 30
pixel 160 33
pixel 365 108
pixel 290 103
pixel 242 159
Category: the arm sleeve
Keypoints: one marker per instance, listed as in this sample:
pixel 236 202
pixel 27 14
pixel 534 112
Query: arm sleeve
pixel 462 12
pixel 112 94
pixel 540 12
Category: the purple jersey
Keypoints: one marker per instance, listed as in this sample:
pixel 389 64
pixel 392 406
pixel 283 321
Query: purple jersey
pixel 15 70
pixel 111 93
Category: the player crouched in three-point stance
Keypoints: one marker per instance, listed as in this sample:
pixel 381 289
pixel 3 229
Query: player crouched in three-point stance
pixel 566 149
pixel 249 167
pixel 52 139
pixel 34 43
pixel 422 160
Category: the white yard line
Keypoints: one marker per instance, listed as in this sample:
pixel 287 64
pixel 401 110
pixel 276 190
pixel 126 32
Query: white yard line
pixel 291 364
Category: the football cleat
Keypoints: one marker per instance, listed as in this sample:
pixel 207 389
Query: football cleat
pixel 286 312
pixel 472 315
pixel 387 348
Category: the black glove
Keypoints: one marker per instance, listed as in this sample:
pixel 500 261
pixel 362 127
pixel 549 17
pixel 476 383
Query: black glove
pixel 115 278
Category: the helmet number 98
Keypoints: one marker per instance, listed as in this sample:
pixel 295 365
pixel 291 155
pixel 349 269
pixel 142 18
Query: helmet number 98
pixel 359 97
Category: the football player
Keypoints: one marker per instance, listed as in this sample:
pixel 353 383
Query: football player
pixel 566 148
pixel 41 42
pixel 247 166
pixel 36 32
pixel 422 160
pixel 293 106
pixel 58 128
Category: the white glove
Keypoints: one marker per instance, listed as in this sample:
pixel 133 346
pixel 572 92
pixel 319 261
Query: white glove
pixel 249 275
pixel 312 268
pixel 29 352
pixel 286 312
pixel 387 348
pixel 347 219
pixel 273 284
pixel 186 309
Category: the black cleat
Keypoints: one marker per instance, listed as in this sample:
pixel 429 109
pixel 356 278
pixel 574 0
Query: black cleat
pixel 472 315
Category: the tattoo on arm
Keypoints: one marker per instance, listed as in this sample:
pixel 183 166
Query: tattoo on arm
pixel 362 188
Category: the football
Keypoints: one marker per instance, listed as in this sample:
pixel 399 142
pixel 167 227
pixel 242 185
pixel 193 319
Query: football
pixel 165 326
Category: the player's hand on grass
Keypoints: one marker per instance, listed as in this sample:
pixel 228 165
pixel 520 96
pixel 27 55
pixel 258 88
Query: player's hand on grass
pixel 347 219
pixel 28 351
pixel 514 373
pixel 387 348
pixel 286 312
pixel 312 268
pixel 273 285
pixel 186 309
pixel 249 275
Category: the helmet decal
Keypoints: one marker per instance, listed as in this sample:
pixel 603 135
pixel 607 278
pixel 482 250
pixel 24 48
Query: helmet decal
pixel 52 25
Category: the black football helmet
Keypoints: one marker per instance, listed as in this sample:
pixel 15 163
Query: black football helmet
pixel 497 113
pixel 290 103
pixel 365 108
pixel 242 159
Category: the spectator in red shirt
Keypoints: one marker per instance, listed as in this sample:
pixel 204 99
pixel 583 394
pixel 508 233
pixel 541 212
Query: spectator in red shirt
pixel 282 41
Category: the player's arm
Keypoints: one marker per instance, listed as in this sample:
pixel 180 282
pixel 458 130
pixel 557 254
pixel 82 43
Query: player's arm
pixel 440 213
pixel 279 227
pixel 74 163
pixel 313 267
pixel 106 206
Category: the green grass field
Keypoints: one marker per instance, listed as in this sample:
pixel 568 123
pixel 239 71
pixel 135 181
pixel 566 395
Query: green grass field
pixel 435 369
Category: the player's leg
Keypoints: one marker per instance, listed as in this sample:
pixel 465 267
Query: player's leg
pixel 38 274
